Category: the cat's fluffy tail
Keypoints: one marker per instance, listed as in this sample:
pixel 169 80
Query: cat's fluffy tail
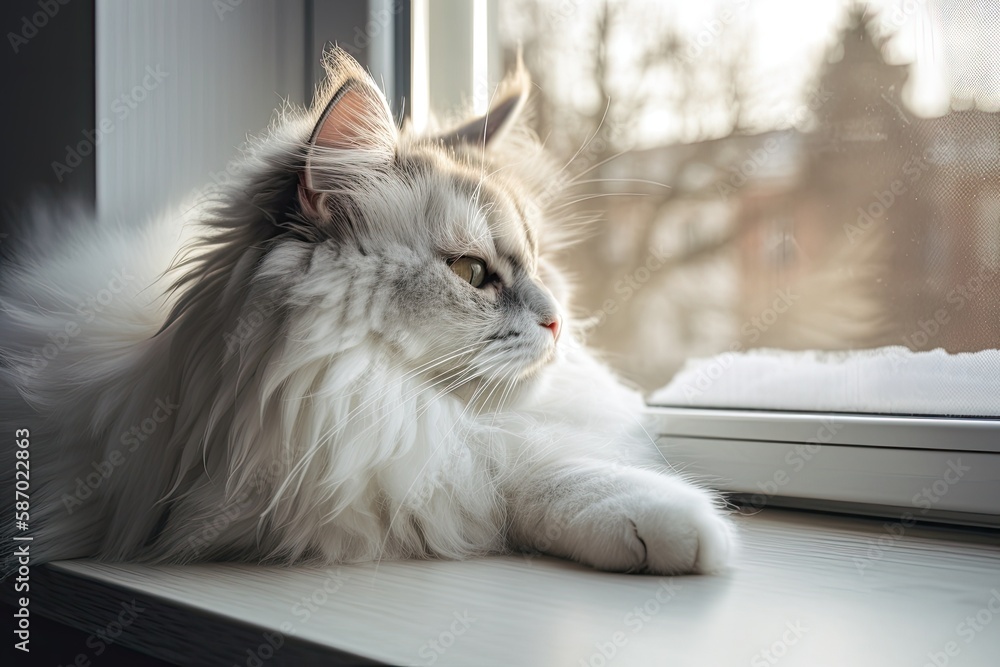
pixel 79 299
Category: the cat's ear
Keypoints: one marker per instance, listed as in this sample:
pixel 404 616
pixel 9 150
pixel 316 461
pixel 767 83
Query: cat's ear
pixel 505 111
pixel 355 126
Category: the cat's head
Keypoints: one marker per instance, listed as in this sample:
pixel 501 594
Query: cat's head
pixel 430 246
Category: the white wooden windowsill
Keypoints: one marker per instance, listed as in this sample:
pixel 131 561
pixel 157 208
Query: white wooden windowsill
pixel 810 589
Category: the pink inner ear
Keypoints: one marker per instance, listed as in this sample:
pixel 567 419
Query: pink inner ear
pixel 347 122
pixel 357 117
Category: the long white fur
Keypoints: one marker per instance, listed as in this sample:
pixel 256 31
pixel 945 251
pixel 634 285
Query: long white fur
pixel 324 407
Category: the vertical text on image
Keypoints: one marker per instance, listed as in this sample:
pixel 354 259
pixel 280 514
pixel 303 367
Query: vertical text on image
pixel 22 548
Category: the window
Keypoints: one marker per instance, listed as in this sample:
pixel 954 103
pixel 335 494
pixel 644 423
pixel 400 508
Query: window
pixel 829 226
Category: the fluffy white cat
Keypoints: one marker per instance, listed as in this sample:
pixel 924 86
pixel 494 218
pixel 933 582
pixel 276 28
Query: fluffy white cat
pixel 360 350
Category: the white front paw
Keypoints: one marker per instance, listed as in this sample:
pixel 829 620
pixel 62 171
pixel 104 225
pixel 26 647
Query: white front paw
pixel 684 534
pixel 659 525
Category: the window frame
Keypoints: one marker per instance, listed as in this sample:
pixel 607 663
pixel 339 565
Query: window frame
pixel 894 466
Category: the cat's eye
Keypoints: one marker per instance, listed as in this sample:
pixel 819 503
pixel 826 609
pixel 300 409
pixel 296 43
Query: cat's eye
pixel 471 270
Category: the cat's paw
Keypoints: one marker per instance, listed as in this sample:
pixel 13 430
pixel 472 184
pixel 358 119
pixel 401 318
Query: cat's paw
pixel 681 535
pixel 663 526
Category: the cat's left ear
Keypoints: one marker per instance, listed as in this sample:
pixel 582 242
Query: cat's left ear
pixel 505 111
pixel 355 129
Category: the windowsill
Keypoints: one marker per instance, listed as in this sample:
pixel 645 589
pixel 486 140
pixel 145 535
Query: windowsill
pixel 818 589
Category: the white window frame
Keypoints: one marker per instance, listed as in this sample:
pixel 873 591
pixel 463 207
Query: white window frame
pixel 926 468
pixel 455 58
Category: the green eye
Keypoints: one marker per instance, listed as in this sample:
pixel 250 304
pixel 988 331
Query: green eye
pixel 471 270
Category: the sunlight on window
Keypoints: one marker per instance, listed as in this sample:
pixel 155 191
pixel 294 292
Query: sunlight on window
pixel 420 78
pixel 480 54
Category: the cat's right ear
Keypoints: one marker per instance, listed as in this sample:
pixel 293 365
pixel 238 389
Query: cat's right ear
pixel 355 129
pixel 506 110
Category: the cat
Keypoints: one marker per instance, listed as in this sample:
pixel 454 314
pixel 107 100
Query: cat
pixel 359 350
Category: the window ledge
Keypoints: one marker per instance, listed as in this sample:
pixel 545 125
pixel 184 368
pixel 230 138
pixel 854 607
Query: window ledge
pixel 807 589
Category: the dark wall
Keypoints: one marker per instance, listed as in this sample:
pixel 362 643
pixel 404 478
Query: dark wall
pixel 48 68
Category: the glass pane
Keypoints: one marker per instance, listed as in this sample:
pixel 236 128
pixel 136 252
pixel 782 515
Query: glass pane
pixel 820 176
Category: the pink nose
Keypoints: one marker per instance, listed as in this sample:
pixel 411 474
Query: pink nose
pixel 554 325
